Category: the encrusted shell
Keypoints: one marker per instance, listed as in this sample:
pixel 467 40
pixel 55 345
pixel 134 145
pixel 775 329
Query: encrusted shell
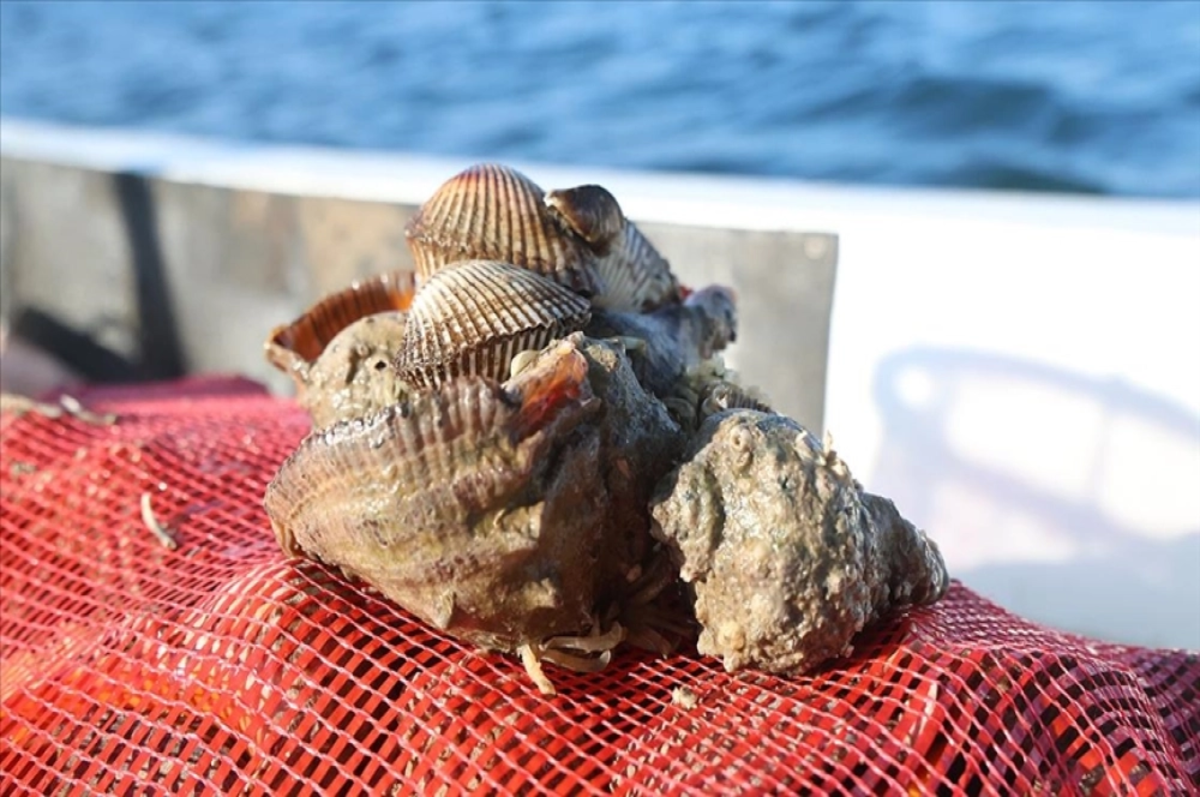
pixel 492 212
pixel 294 347
pixel 787 555
pixel 355 375
pixel 633 275
pixel 665 343
pixel 474 317
pixel 447 503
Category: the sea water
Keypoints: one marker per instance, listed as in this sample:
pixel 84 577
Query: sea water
pixel 1093 97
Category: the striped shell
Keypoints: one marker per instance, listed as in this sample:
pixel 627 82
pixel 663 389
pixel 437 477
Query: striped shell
pixel 592 212
pixel 446 504
pixel 473 318
pixel 294 347
pixel 492 212
pixel 633 275
pixel 722 395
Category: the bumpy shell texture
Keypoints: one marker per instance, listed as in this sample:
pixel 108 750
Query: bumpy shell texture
pixel 788 557
pixel 492 212
pixel 339 353
pixel 294 347
pixel 472 318
pixel 355 375
pixel 540 451
pixel 470 505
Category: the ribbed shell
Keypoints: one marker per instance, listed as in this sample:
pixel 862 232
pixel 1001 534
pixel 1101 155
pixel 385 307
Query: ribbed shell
pixel 724 395
pixel 473 318
pixel 492 212
pixel 591 211
pixel 633 276
pixel 293 347
pixel 403 498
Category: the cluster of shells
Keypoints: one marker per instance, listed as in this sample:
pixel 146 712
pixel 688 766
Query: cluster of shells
pixel 532 444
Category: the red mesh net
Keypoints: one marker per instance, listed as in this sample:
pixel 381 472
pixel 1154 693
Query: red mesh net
pixel 221 665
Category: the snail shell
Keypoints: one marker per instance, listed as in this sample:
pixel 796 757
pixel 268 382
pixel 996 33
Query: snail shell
pixel 294 347
pixel 448 505
pixel 708 319
pixel 633 275
pixel 472 319
pixel 493 212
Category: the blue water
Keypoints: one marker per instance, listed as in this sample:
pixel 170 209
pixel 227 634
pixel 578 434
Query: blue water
pixel 1099 97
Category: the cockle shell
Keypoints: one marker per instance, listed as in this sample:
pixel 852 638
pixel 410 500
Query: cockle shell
pixel 578 237
pixel 472 318
pixel 472 505
pixel 633 275
pixel 493 212
pixel 294 347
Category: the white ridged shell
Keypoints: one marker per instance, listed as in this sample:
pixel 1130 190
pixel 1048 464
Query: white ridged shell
pixel 475 317
pixel 492 212
pixel 633 276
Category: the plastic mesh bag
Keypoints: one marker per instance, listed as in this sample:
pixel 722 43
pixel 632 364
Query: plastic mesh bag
pixel 218 665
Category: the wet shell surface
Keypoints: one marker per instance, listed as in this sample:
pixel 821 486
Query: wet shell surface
pixel 447 505
pixel 355 375
pixel 592 212
pixel 788 556
pixel 633 275
pixel 615 489
pixel 492 212
pixel 294 347
pixel 473 318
